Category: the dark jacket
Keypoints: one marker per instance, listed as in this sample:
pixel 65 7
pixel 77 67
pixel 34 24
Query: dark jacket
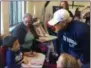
pixel 20 32
pixel 75 40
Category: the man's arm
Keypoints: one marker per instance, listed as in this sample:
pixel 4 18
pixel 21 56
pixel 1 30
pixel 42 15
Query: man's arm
pixel 84 44
pixel 18 33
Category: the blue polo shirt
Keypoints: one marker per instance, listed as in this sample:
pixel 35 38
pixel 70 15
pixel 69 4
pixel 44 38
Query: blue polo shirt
pixel 13 59
pixel 75 40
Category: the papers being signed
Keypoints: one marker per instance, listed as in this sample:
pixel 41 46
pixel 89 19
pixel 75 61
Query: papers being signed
pixel 35 61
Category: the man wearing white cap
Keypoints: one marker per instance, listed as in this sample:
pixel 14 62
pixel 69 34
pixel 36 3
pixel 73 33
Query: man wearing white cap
pixel 73 36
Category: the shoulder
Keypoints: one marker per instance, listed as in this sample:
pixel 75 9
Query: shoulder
pixel 19 25
pixel 80 28
pixel 9 53
pixel 80 25
pixel 19 28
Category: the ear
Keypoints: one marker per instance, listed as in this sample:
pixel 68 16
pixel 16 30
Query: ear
pixel 69 20
pixel 14 45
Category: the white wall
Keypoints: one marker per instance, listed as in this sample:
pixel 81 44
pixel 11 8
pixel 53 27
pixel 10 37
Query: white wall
pixel 5 17
pixel 1 25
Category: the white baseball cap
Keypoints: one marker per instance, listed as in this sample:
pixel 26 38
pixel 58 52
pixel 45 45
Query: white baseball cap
pixel 59 15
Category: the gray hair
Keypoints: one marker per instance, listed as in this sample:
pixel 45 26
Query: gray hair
pixel 27 14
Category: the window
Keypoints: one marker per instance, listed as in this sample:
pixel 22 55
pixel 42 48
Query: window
pixel 1 20
pixel 17 10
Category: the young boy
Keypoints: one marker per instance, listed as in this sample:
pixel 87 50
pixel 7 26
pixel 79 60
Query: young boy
pixel 67 61
pixel 13 54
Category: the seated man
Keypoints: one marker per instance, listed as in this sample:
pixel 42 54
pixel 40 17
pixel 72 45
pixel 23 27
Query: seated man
pixel 24 32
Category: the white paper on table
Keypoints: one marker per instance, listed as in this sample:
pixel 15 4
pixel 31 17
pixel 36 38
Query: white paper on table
pixel 35 61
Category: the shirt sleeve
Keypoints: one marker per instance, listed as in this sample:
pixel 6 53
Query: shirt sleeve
pixel 10 61
pixel 85 47
pixel 84 44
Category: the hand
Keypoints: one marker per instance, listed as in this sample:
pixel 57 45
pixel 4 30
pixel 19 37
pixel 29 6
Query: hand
pixel 47 35
pixel 79 62
pixel 26 53
pixel 42 40
pixel 25 60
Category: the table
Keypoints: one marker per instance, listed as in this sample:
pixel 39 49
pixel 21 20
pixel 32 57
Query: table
pixel 35 62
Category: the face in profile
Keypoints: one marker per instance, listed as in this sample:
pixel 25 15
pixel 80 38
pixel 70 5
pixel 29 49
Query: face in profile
pixel 28 21
pixel 60 26
pixel 62 4
pixel 16 45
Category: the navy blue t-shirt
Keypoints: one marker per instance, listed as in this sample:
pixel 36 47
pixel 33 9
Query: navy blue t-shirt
pixel 13 59
pixel 75 40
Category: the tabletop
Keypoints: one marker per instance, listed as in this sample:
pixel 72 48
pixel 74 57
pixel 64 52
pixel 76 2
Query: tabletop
pixel 35 61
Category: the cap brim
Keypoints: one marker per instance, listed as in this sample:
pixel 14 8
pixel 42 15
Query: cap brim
pixel 53 22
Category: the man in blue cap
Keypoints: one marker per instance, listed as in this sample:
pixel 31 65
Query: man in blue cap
pixel 73 36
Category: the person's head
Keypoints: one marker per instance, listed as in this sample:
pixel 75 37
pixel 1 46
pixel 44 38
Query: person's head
pixel 87 16
pixel 27 19
pixel 64 4
pixel 67 61
pixel 12 43
pixel 77 13
pixel 60 20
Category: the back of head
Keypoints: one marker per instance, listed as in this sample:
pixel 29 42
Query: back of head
pixel 77 13
pixel 69 61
